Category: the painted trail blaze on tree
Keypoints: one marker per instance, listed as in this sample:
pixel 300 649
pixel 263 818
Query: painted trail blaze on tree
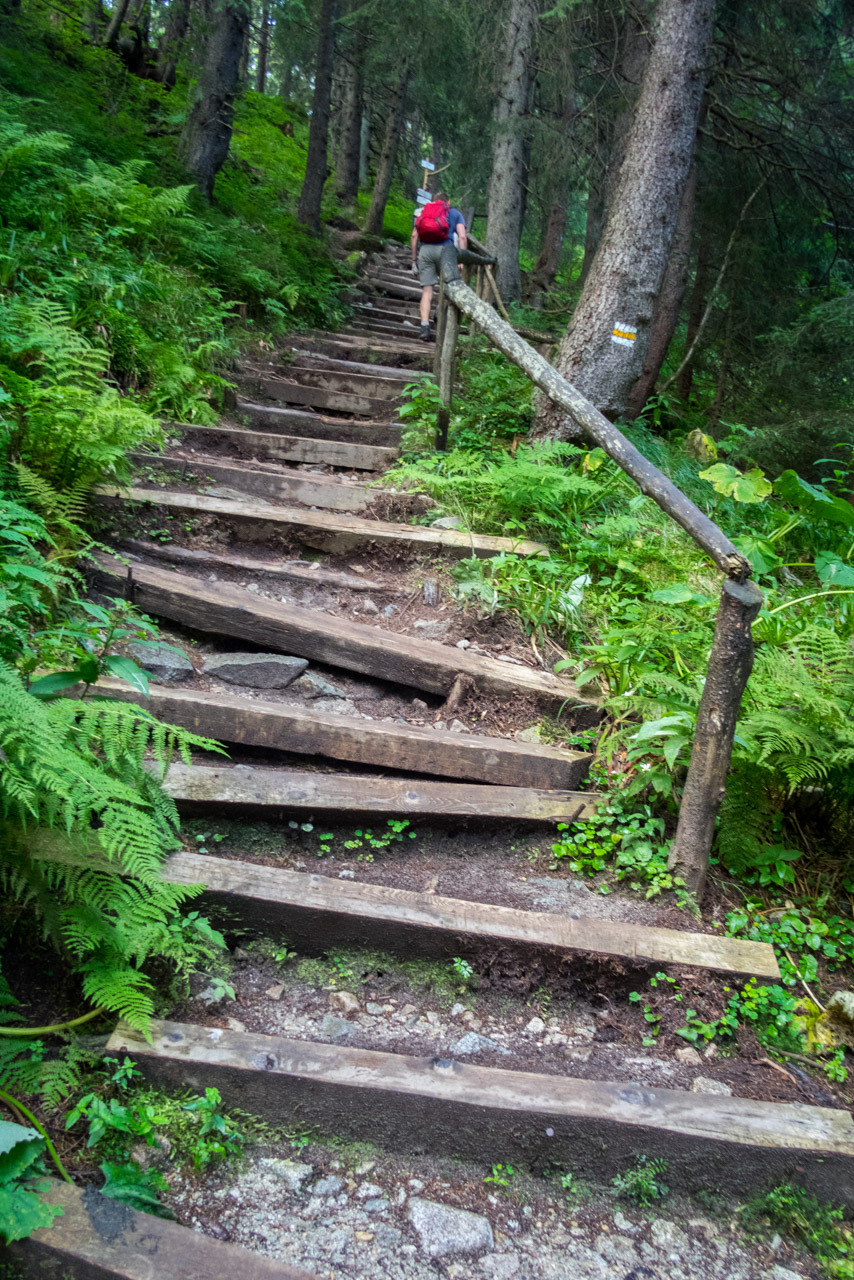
pixel 603 350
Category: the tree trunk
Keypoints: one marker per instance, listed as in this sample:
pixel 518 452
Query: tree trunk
pixel 207 133
pixel 505 197
pixel 546 266
pixel 669 301
pixel 730 665
pixel 316 165
pixel 604 348
pixel 352 107
pixel 263 50
pixel 385 168
pixel 169 49
pixel 114 26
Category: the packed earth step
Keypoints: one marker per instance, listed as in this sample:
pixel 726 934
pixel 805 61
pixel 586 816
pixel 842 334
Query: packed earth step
pixel 243 788
pixel 326 912
pixel 327 531
pixel 227 609
pixel 281 727
pixel 97 1238
pixel 444 1106
pixel 267 447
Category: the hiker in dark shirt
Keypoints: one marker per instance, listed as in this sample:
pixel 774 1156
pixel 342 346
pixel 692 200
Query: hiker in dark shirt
pixel 435 226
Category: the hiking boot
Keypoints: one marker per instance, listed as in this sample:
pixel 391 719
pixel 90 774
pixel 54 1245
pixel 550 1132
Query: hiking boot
pixel 425 335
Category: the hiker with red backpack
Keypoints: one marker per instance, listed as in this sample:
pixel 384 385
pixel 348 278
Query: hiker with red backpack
pixel 435 226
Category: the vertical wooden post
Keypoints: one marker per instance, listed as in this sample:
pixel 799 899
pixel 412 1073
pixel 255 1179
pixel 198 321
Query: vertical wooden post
pixel 730 665
pixel 446 374
pixel 441 313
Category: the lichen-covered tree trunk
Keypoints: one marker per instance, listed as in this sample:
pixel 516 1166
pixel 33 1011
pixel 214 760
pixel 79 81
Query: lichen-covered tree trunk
pixel 505 203
pixel 316 165
pixel 207 133
pixel 385 168
pixel 263 50
pixel 669 302
pixel 603 350
pixel 352 108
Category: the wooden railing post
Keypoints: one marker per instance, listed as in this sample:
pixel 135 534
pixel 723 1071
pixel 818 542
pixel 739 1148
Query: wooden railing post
pixel 730 665
pixel 446 345
pixel 441 313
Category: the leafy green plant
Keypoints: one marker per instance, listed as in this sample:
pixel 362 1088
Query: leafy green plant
pixel 22 1210
pixel 644 1182
pixel 218 1137
pixel 135 1186
pixel 819 1227
pixel 652 1019
pixel 500 1175
pixel 374 842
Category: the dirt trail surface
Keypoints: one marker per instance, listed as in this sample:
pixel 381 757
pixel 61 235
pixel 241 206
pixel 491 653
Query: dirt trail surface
pixel 310 623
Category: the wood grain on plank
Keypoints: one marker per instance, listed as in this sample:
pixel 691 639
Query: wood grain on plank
pixel 227 609
pixel 438 1104
pixel 372 385
pixel 297 889
pixel 309 360
pixel 282 448
pixel 360 793
pixel 283 486
pixel 299 570
pixel 349 530
pixel 278 726
pixel 277 389
pixel 299 422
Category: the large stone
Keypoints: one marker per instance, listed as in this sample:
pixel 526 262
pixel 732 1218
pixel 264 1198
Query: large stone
pixel 291 1172
pixel 164 665
pixel 705 1084
pixel 257 670
pixel 446 1233
pixel 471 1042
pixel 311 685
pixel 336 1029
pixel 841 1006
pixel 344 1001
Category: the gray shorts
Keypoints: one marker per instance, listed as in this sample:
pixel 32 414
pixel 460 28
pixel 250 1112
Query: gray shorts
pixel 429 263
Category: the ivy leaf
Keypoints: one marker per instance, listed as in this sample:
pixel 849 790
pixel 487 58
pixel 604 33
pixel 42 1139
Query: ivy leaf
pixel 748 487
pixel 126 669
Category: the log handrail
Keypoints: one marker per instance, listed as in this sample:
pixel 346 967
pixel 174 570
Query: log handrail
pixel 731 657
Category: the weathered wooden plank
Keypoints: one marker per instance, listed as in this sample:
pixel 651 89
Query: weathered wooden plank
pixel 362 323
pixel 298 423
pixel 410 355
pixel 98 1238
pixel 373 386
pixel 268 447
pixel 281 727
pixel 298 789
pixel 311 573
pixel 437 1104
pixel 274 486
pixel 284 392
pixel 308 360
pixel 291 892
pixel 227 609
pixel 335 533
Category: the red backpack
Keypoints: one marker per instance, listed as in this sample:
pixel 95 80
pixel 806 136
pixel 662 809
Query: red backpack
pixel 434 222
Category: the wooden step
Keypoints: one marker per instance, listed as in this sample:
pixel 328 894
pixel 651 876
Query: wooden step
pixel 295 422
pixel 281 727
pixel 97 1238
pixel 268 447
pixel 273 486
pixel 317 912
pixel 446 1107
pixel 326 530
pixel 308 360
pixel 368 311
pixel 385 328
pixel 372 386
pixel 358 347
pixel 309 573
pixel 242 787
pixel 283 391
pixel 226 609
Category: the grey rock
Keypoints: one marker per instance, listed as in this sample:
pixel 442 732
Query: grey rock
pixel 337 705
pixel 327 1186
pixel 501 1266
pixel 622 1223
pixel 373 1008
pixel 234 1024
pixel 257 670
pixel 291 1172
pixel 471 1042
pixel 445 1232
pixel 841 1006
pixel 368 1191
pixel 389 611
pixel 370 606
pixel 448 522
pixel 464 644
pixel 164 665
pixel 457 726
pixel 432 628
pixel 311 685
pixel 705 1084
pixel 336 1029
pixel 536 1026
pixel 689 1056
pixel 377 1204
pixel 668 1236
pixel 783 1273
pixel 528 735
